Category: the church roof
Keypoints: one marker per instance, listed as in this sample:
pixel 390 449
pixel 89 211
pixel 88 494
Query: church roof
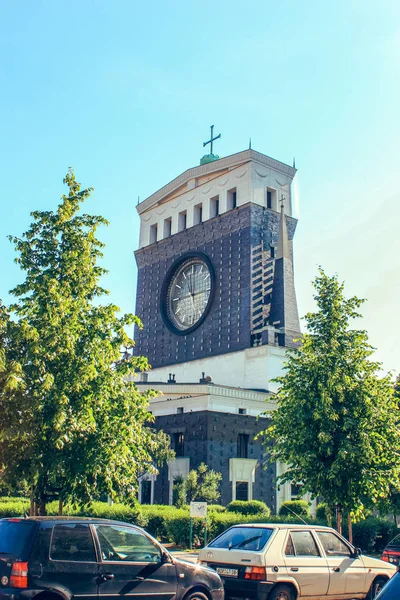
pixel 213 168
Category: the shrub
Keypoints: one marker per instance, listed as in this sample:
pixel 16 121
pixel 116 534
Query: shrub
pixel 216 508
pixel 372 534
pixel 16 507
pixel 249 507
pixel 324 513
pixel 300 507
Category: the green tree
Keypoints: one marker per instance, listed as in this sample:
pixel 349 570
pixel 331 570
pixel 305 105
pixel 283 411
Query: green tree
pixel 201 485
pixel 336 422
pixel 72 422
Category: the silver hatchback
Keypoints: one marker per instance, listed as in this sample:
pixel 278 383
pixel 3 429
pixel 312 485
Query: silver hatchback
pixel 289 562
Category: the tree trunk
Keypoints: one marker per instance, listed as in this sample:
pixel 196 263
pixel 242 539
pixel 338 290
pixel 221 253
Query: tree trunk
pixel 60 507
pixel 32 508
pixel 339 516
pixel 42 506
pixel 350 527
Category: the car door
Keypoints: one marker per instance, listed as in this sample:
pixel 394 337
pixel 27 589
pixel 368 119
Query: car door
pixel 132 565
pixel 70 562
pixel 305 563
pixel 347 572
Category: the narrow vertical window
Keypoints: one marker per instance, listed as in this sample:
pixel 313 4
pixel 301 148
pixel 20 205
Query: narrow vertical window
pixel 214 206
pixel 179 443
pixel 243 445
pixel 271 199
pixel 242 490
pixel 153 234
pixel 182 221
pixel 198 214
pixel 232 201
pixel 167 227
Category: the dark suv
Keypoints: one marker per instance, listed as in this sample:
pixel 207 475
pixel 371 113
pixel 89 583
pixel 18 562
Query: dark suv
pixel 55 558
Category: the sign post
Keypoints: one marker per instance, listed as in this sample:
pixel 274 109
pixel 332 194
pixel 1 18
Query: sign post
pixel 198 509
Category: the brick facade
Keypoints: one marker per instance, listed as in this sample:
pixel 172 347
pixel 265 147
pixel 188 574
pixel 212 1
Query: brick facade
pixel 211 437
pixel 227 240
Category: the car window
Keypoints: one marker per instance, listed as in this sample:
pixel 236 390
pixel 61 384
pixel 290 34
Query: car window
pixel 303 543
pixel 123 544
pixel 332 544
pixel 243 538
pixel 289 550
pixel 72 542
pixel 395 541
pixel 14 535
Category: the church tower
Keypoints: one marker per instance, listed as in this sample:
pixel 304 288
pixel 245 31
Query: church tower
pixel 216 296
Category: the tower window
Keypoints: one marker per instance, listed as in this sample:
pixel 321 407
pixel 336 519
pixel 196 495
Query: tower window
pixel 243 445
pixel 242 411
pixel 182 221
pixel 214 206
pixel 198 214
pixel 232 203
pixel 271 199
pixel 272 250
pixel 179 443
pixel 153 234
pixel 167 227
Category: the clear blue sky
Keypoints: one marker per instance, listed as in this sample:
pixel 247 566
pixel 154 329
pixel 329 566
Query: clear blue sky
pixel 125 92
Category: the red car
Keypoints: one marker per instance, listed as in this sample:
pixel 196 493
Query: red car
pixel 391 553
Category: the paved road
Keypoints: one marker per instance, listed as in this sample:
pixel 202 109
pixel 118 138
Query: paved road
pixel 189 556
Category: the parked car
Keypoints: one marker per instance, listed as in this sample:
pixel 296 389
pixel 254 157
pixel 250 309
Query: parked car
pixel 391 591
pixel 58 558
pixel 288 562
pixel 391 553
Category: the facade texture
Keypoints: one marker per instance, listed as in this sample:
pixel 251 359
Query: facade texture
pixel 243 295
pixel 212 438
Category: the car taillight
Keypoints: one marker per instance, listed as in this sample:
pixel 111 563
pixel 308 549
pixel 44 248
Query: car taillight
pixel 255 573
pixel 19 575
pixel 385 557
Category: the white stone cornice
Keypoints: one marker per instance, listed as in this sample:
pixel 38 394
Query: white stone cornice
pixel 195 389
pixel 228 162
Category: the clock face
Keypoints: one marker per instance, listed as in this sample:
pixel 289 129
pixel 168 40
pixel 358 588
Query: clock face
pixel 188 294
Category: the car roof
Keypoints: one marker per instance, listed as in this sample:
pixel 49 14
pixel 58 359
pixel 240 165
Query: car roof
pixel 284 526
pixel 55 519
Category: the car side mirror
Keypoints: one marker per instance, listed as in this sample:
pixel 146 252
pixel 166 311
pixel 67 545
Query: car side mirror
pixel 166 558
pixel 357 552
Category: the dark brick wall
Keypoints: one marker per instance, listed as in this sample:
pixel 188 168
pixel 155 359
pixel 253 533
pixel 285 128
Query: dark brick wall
pixel 227 240
pixel 211 437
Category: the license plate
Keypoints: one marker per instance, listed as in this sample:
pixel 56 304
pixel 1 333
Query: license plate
pixel 227 572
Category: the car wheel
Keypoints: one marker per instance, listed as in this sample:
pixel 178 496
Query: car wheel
pixel 376 587
pixel 196 596
pixel 282 592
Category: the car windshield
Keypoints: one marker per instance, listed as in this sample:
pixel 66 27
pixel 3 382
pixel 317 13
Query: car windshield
pixel 395 541
pixel 14 533
pixel 243 538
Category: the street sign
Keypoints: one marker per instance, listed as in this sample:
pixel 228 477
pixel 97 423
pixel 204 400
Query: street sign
pixel 198 509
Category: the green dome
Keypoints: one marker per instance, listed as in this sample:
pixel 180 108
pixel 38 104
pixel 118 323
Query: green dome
pixel 207 158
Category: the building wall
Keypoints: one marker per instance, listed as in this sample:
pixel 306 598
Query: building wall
pixel 211 437
pixel 249 179
pixel 228 240
pixel 253 368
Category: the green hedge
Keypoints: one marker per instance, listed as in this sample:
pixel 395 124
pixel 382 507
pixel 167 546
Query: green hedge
pixel 15 507
pixel 248 507
pixel 300 507
pixel 170 524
